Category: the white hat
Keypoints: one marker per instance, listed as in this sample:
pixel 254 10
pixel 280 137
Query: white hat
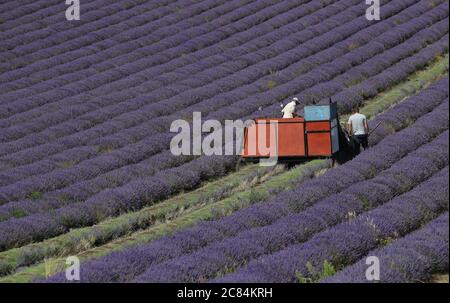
pixel 295 99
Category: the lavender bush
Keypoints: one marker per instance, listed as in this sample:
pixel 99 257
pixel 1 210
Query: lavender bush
pixel 413 258
pixel 349 241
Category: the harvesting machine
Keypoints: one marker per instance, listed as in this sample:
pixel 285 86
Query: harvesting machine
pixel 316 135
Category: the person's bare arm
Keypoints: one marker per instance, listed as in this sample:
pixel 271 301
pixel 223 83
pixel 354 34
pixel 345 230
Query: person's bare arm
pixel 349 128
pixel 366 126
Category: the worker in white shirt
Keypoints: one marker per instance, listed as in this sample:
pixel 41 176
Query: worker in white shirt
pixel 289 110
pixel 358 128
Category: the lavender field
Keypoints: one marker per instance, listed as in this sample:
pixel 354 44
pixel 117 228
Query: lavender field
pixel 86 168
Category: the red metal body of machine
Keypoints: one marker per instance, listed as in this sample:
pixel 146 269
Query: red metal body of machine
pixel 315 135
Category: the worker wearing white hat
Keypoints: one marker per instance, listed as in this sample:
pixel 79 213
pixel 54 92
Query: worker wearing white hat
pixel 289 110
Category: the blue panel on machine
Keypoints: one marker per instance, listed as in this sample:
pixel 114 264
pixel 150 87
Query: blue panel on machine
pixel 320 112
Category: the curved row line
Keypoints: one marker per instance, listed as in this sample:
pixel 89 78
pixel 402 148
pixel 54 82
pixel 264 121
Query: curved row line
pixel 26 32
pixel 101 44
pixel 23 54
pixel 14 10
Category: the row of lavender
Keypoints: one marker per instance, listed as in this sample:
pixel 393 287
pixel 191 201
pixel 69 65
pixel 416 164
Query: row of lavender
pixel 71 191
pixel 231 20
pixel 350 241
pixel 98 116
pixel 44 225
pixel 163 28
pixel 109 156
pixel 119 48
pixel 46 164
pixel 129 138
pixel 232 252
pixel 208 62
pixel 129 263
pixel 95 14
pixel 414 258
